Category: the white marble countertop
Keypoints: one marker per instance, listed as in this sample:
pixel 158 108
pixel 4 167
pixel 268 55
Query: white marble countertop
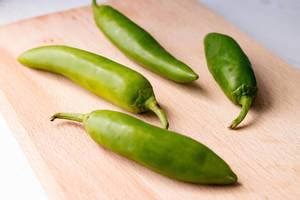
pixel 274 23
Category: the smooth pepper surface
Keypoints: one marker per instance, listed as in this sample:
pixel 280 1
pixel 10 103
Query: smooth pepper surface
pixel 168 153
pixel 106 78
pixel 139 45
pixel 232 70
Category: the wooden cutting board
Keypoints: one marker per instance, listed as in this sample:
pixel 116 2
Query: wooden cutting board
pixel 264 152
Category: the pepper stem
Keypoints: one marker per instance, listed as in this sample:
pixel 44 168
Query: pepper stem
pixel 152 104
pixel 69 116
pixel 94 3
pixel 246 102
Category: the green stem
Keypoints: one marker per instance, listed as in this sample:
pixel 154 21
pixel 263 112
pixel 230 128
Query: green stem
pixel 246 102
pixel 152 104
pixel 69 116
pixel 94 3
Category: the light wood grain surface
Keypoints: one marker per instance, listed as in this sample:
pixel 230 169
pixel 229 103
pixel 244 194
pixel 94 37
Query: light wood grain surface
pixel 264 152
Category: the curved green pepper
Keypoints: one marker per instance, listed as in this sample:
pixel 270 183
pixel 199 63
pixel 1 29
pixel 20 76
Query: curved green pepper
pixel 106 78
pixel 232 70
pixel 139 45
pixel 168 153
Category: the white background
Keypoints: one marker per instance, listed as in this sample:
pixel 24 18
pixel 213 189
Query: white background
pixel 274 23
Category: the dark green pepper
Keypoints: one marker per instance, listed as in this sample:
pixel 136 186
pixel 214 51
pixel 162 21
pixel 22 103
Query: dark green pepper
pixel 168 153
pixel 139 45
pixel 232 70
pixel 106 78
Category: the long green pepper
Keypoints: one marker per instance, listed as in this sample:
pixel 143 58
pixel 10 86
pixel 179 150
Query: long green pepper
pixel 112 81
pixel 139 45
pixel 232 70
pixel 168 153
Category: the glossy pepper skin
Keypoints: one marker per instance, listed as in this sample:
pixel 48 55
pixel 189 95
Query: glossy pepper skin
pixel 168 153
pixel 112 81
pixel 232 70
pixel 139 45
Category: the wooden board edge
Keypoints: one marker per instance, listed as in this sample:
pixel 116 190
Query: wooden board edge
pixel 39 167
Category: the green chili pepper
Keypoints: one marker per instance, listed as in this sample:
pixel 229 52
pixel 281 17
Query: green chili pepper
pixel 232 70
pixel 139 45
pixel 106 78
pixel 168 153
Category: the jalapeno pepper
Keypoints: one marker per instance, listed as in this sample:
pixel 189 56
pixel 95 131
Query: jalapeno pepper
pixel 232 70
pixel 106 78
pixel 139 45
pixel 168 153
